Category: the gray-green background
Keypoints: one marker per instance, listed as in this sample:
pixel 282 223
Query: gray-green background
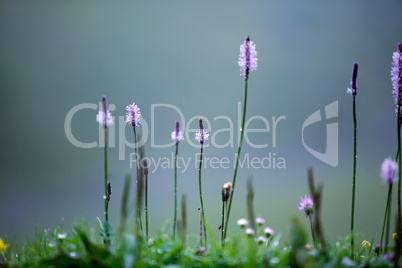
pixel 55 55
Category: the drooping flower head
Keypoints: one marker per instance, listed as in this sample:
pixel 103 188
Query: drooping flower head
pixel 201 135
pixel 133 114
pixel 247 58
pixel 226 191
pixel 306 205
pixel 104 117
pixel 396 75
pixel 353 80
pixel 177 135
pixel 389 169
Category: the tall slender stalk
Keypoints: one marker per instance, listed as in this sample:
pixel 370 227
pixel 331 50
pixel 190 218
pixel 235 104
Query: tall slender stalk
pixel 237 158
pixel 175 191
pixel 398 228
pixel 223 224
pixel 202 203
pixel 139 220
pixel 105 196
pixel 146 198
pixel 312 229
pixel 352 226
pixel 387 215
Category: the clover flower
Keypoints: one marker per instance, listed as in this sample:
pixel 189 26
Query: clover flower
pixel 260 221
pixel 133 114
pixel 261 240
pixel 396 74
pixel 247 58
pixel 353 80
pixel 243 222
pixel 177 135
pixel 389 169
pixel 201 134
pixel 306 205
pixel 268 231
pixel 104 117
pixel 250 231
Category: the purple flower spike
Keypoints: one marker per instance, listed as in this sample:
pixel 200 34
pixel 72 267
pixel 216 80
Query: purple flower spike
pixel 177 135
pixel 247 58
pixel 306 205
pixel 133 115
pixel 396 74
pixel 389 169
pixel 353 81
pixel 104 117
pixel 201 135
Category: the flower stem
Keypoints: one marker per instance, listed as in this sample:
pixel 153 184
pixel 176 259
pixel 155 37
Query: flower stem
pixel 139 221
pixel 354 174
pixel 312 230
pixel 223 224
pixel 237 158
pixel 175 191
pixel 202 204
pixel 105 196
pixel 146 204
pixel 386 219
pixel 398 247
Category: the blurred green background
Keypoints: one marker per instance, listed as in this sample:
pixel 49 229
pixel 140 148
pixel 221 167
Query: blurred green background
pixel 55 55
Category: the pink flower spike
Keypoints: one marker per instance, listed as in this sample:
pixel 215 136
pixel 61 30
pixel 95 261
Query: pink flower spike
pixel 177 135
pixel 247 58
pixel 104 117
pixel 389 169
pixel 133 114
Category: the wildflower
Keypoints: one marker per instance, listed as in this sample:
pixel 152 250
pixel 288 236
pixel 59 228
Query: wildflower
pixel 243 222
pixel 389 169
pixel 201 134
pixel 62 236
pixel 306 205
pixel 247 58
pixel 394 236
pixel 133 115
pixel 3 246
pixel 396 74
pixel 268 231
pixel 353 81
pixel 250 231
pixel 260 221
pixel 366 243
pixel 226 191
pixel 177 135
pixel 261 240
pixel 104 117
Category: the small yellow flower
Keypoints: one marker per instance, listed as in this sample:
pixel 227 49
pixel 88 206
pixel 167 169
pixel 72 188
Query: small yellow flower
pixel 3 246
pixel 394 236
pixel 365 243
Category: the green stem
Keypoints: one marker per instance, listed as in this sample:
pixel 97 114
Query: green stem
pixel 354 174
pixel 202 204
pixel 105 196
pixel 223 224
pixel 237 158
pixel 137 183
pixel 146 203
pixel 175 190
pixel 387 209
pixel 312 230
pixel 398 248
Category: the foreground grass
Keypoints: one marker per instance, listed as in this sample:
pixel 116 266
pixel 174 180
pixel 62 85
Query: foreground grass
pixel 84 247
